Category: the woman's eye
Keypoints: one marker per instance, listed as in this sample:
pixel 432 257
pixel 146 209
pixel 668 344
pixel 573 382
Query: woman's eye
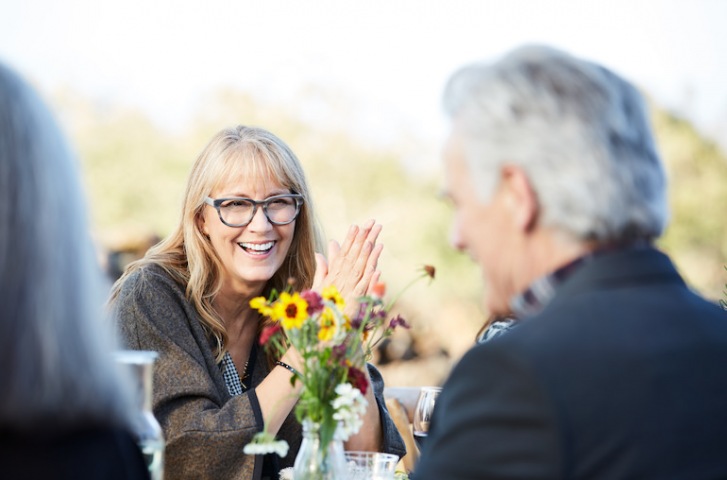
pixel 235 204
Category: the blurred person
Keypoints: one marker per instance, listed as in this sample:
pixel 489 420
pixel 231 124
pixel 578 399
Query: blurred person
pixel 616 369
pixel 247 226
pixel 118 257
pixel 64 412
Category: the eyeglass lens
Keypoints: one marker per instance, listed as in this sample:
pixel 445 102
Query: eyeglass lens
pixel 239 211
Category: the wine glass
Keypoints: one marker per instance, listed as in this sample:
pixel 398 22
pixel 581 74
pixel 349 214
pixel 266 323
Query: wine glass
pixel 423 413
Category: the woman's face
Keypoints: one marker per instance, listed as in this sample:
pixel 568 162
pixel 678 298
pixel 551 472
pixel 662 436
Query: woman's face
pixel 251 254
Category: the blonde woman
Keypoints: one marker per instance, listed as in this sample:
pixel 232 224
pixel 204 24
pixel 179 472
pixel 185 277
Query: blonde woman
pixel 247 226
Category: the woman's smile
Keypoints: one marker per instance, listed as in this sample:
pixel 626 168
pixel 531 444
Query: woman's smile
pixel 258 249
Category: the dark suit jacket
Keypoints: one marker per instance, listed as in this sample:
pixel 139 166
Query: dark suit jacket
pixel 622 376
pixel 97 453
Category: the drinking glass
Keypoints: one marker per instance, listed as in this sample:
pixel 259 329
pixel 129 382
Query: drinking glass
pixel 138 366
pixel 371 465
pixel 423 413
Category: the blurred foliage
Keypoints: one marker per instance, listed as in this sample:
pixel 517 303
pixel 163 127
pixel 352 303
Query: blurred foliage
pixel 135 174
pixel 697 170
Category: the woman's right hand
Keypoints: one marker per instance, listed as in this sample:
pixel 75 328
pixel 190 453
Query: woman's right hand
pixel 351 266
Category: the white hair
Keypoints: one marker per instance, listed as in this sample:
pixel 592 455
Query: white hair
pixel 55 349
pixel 579 131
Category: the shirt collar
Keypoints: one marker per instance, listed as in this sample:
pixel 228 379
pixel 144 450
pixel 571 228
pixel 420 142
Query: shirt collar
pixel 540 292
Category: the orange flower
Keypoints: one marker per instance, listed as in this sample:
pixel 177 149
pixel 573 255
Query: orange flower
pixel 378 290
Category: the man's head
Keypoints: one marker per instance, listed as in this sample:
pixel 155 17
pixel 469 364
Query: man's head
pixel 548 155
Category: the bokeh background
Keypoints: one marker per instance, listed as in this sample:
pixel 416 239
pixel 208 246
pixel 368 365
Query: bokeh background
pixel 354 88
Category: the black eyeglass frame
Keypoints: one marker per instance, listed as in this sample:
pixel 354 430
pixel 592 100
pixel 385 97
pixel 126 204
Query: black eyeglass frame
pixel 216 203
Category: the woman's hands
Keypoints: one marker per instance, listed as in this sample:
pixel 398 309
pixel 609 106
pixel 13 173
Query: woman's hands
pixel 351 267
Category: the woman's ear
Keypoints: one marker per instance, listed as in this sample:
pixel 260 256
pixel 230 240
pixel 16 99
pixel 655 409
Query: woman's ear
pixel 521 197
pixel 202 224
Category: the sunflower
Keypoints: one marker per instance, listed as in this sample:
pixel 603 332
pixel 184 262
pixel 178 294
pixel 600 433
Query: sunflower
pixel 327 323
pixel 291 310
pixel 261 305
pixel 331 294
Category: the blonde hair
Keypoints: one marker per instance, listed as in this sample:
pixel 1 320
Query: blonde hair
pixel 187 254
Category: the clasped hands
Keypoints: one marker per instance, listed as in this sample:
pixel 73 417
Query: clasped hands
pixel 351 266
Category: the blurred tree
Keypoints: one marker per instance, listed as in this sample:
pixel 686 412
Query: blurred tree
pixel 697 169
pixel 136 171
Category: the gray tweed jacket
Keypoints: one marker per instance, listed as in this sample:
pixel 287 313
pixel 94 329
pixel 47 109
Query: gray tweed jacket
pixel 204 427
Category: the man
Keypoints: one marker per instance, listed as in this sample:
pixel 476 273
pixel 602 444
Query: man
pixel 615 369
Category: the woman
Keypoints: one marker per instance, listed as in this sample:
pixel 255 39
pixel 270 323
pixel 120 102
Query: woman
pixel 64 412
pixel 247 226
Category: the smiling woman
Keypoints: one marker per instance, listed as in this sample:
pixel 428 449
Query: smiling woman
pixel 246 229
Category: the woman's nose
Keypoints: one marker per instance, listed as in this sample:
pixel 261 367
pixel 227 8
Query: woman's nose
pixel 260 221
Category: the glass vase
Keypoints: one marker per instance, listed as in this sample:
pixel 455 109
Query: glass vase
pixel 313 463
pixel 138 365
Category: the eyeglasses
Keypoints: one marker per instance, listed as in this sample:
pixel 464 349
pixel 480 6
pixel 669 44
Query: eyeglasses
pixel 239 211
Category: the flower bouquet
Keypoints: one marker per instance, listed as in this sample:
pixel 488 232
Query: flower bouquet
pixel 334 348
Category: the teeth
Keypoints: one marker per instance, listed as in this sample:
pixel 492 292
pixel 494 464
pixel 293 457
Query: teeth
pixel 258 247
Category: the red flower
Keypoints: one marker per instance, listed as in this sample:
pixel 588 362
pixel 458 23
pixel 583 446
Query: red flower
pixel 339 353
pixel 314 300
pixel 357 378
pixel 268 332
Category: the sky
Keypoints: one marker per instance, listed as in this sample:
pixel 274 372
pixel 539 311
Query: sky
pixel 389 58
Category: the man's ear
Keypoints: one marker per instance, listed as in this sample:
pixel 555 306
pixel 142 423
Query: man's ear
pixel 521 197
